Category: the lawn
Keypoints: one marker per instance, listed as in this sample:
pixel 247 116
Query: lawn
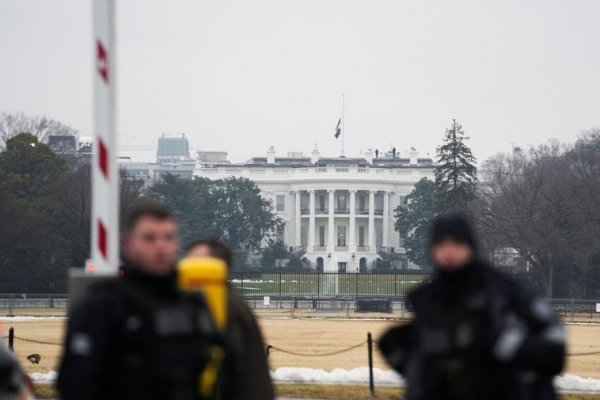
pixel 325 284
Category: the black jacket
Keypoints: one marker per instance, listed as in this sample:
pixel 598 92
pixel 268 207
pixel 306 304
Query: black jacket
pixel 476 335
pixel 246 376
pixel 137 337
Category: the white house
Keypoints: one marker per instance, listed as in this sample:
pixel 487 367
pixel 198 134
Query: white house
pixel 338 211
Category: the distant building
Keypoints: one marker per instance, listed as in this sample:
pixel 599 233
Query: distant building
pixel 172 149
pixel 63 144
pixel 338 211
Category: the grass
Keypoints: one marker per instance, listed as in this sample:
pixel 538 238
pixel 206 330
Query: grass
pixel 310 284
pixel 325 392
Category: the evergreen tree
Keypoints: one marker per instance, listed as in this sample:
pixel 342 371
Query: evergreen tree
pixel 413 220
pixel 456 173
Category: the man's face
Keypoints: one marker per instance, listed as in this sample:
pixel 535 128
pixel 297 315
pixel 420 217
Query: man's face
pixel 451 255
pixel 199 252
pixel 152 245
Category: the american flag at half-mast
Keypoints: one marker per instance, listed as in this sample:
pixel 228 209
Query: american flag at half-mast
pixel 338 129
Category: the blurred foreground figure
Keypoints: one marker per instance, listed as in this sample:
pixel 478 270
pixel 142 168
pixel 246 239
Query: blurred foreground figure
pixel 139 336
pixel 14 383
pixel 246 370
pixel 476 334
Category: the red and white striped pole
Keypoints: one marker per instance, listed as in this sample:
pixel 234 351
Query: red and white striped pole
pixel 105 179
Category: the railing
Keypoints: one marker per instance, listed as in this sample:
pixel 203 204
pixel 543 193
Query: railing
pixel 363 249
pixel 342 211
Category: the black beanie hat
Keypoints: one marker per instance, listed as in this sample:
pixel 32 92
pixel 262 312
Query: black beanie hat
pixel 454 227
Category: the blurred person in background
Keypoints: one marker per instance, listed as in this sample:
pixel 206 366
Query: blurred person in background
pixel 246 372
pixel 476 334
pixel 138 336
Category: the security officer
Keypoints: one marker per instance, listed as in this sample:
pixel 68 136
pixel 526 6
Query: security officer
pixel 246 371
pixel 139 336
pixel 476 334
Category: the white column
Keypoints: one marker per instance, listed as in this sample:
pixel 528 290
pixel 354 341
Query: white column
pixel 386 218
pixel 372 247
pixel 311 221
pixel 352 224
pixel 298 225
pixel 330 222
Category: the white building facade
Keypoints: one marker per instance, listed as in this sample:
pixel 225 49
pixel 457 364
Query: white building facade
pixel 338 212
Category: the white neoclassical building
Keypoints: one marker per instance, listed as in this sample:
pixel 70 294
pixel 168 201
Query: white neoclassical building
pixel 338 211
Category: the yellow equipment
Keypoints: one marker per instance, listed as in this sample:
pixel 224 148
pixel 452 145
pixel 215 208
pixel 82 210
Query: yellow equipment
pixel 209 276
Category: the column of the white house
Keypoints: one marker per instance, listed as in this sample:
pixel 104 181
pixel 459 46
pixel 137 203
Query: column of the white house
pixel 330 222
pixel 386 218
pixel 372 221
pixel 298 221
pixel 352 224
pixel 311 221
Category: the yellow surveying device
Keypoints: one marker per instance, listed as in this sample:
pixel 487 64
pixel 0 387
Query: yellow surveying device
pixel 209 276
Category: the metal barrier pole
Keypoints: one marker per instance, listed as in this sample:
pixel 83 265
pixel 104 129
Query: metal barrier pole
pixel 11 339
pixel 370 351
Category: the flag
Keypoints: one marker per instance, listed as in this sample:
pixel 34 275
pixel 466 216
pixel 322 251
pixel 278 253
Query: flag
pixel 338 129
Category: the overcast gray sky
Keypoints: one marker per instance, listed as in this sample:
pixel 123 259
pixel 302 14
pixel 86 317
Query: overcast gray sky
pixel 244 75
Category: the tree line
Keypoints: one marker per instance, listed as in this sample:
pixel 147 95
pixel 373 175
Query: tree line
pixel 536 206
pixel 45 213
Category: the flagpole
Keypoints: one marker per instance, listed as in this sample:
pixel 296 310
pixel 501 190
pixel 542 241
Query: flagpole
pixel 343 122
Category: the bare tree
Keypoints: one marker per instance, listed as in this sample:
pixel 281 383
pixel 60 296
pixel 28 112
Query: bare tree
pixel 12 124
pixel 543 204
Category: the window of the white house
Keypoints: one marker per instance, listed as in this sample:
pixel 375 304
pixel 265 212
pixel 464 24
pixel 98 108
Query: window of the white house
pixel 280 202
pixel 321 202
pixel 361 236
pixel 321 235
pixel 342 202
pixel 341 235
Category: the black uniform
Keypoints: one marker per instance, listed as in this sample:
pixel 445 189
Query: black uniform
pixel 476 335
pixel 137 337
pixel 246 376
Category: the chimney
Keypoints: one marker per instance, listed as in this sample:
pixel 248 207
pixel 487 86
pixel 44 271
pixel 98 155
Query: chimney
pixel 271 155
pixel 413 155
pixel 314 156
pixel 369 156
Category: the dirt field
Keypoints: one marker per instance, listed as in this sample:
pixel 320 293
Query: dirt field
pixel 307 336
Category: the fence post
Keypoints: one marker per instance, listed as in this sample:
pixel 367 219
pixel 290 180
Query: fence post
pixel 280 303
pixel 318 284
pixel 370 350
pixel 11 339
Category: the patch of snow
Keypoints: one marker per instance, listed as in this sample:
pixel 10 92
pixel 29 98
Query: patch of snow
pixel 44 376
pixel 337 375
pixel 565 383
pixel 19 318
pixel 575 383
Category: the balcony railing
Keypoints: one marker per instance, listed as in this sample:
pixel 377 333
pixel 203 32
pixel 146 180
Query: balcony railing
pixel 341 248
pixel 362 249
pixel 305 211
pixel 323 210
pixel 378 212
pixel 320 248
pixel 342 211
